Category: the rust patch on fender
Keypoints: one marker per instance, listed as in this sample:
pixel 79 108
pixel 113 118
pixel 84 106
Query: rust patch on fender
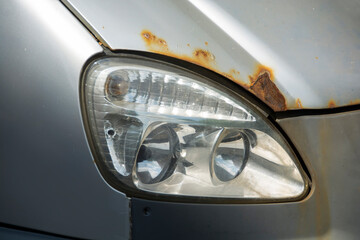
pixel 265 89
pixel 261 82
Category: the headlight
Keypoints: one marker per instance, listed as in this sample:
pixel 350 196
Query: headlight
pixel 159 129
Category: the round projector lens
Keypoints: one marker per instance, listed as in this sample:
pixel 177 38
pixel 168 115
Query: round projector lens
pixel 157 156
pixel 231 155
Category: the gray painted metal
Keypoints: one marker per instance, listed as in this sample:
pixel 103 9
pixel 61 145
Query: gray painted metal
pixel 329 145
pixel 48 180
pixel 13 234
pixel 313 47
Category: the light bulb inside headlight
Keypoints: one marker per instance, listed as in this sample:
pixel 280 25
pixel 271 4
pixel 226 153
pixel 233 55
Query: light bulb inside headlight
pixel 160 129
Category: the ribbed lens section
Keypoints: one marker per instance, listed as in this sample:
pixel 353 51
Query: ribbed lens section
pixel 154 92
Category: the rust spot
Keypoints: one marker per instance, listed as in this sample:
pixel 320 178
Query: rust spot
pixel 298 103
pixel 199 56
pixel 331 103
pixel 206 43
pixel 265 89
pixel 260 69
pixel 353 102
pixel 153 42
pixel 103 27
pixel 234 72
pixel 234 75
pixel 316 58
pixel 188 44
pixel 100 43
pixel 203 55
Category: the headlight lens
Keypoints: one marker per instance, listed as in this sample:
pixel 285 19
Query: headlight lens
pixel 160 129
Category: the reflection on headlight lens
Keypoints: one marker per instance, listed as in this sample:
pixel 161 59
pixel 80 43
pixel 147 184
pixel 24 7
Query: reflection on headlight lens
pixel 231 155
pixel 157 155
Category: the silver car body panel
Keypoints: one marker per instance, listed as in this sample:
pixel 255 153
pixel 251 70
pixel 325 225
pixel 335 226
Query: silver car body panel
pixel 313 48
pixel 48 180
pixel 329 145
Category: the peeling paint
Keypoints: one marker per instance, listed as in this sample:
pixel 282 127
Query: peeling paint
pixel 266 90
pixel 260 69
pixel 262 84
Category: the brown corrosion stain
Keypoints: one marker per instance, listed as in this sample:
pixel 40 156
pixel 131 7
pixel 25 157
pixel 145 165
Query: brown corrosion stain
pixel 261 82
pixel 188 44
pixel 203 55
pixel 153 42
pixel 353 102
pixel 260 69
pixel 234 72
pixel 206 43
pixel 158 45
pixel 298 103
pixel 262 85
pixel 316 58
pixel 331 103
pixel 234 76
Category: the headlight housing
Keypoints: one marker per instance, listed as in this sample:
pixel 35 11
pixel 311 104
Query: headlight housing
pixel 158 129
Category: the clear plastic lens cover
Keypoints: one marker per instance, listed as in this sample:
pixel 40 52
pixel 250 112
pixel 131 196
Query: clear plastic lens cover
pixel 160 129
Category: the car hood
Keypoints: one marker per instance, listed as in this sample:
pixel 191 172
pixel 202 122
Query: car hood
pixel 309 52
